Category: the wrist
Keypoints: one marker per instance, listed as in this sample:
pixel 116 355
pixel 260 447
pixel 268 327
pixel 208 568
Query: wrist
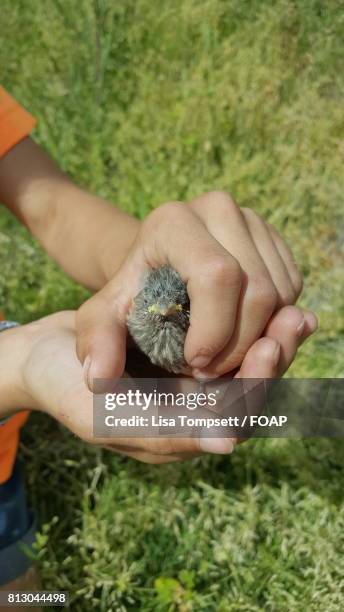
pixel 111 253
pixel 14 393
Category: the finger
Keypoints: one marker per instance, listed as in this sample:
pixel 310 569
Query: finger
pixel 272 256
pixel 63 318
pixel 287 329
pixel 255 309
pixel 144 457
pixel 271 356
pixel 164 447
pixel 261 360
pixel 290 327
pixel 101 323
pixel 212 275
pixel 100 340
pixel 226 223
pixel 288 259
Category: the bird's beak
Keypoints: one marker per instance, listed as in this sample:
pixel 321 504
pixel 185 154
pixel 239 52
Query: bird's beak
pixel 167 310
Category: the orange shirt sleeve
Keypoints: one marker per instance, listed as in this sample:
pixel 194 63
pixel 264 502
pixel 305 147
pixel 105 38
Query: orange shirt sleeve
pixel 9 439
pixel 9 442
pixel 15 122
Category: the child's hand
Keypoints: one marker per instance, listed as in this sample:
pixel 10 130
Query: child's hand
pixel 43 373
pixel 238 272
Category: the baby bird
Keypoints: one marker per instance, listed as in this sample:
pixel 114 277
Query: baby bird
pixel 159 319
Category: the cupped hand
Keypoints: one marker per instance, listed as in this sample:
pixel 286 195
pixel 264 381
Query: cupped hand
pixel 238 272
pixel 55 384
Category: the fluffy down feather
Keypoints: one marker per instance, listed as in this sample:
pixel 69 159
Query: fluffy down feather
pixel 159 319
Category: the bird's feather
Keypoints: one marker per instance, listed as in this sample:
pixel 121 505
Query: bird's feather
pixel 161 336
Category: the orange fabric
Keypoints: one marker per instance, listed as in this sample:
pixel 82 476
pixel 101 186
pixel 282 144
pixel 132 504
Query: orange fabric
pixel 9 440
pixel 15 122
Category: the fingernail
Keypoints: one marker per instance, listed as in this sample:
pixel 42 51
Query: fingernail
pixel 203 376
pixel 87 366
pixel 201 361
pixel 276 354
pixel 301 327
pixel 219 446
pixel 312 322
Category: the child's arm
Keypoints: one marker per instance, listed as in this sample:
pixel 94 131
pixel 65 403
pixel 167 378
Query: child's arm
pixel 86 235
pixel 237 268
pixel 40 370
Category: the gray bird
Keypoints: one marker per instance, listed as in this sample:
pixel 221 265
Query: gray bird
pixel 159 319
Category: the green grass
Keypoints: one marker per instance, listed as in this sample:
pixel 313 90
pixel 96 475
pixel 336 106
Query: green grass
pixel 145 101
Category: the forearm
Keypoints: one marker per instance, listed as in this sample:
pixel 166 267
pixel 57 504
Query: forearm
pixel 87 236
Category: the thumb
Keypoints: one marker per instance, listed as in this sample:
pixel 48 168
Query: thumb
pixel 100 340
